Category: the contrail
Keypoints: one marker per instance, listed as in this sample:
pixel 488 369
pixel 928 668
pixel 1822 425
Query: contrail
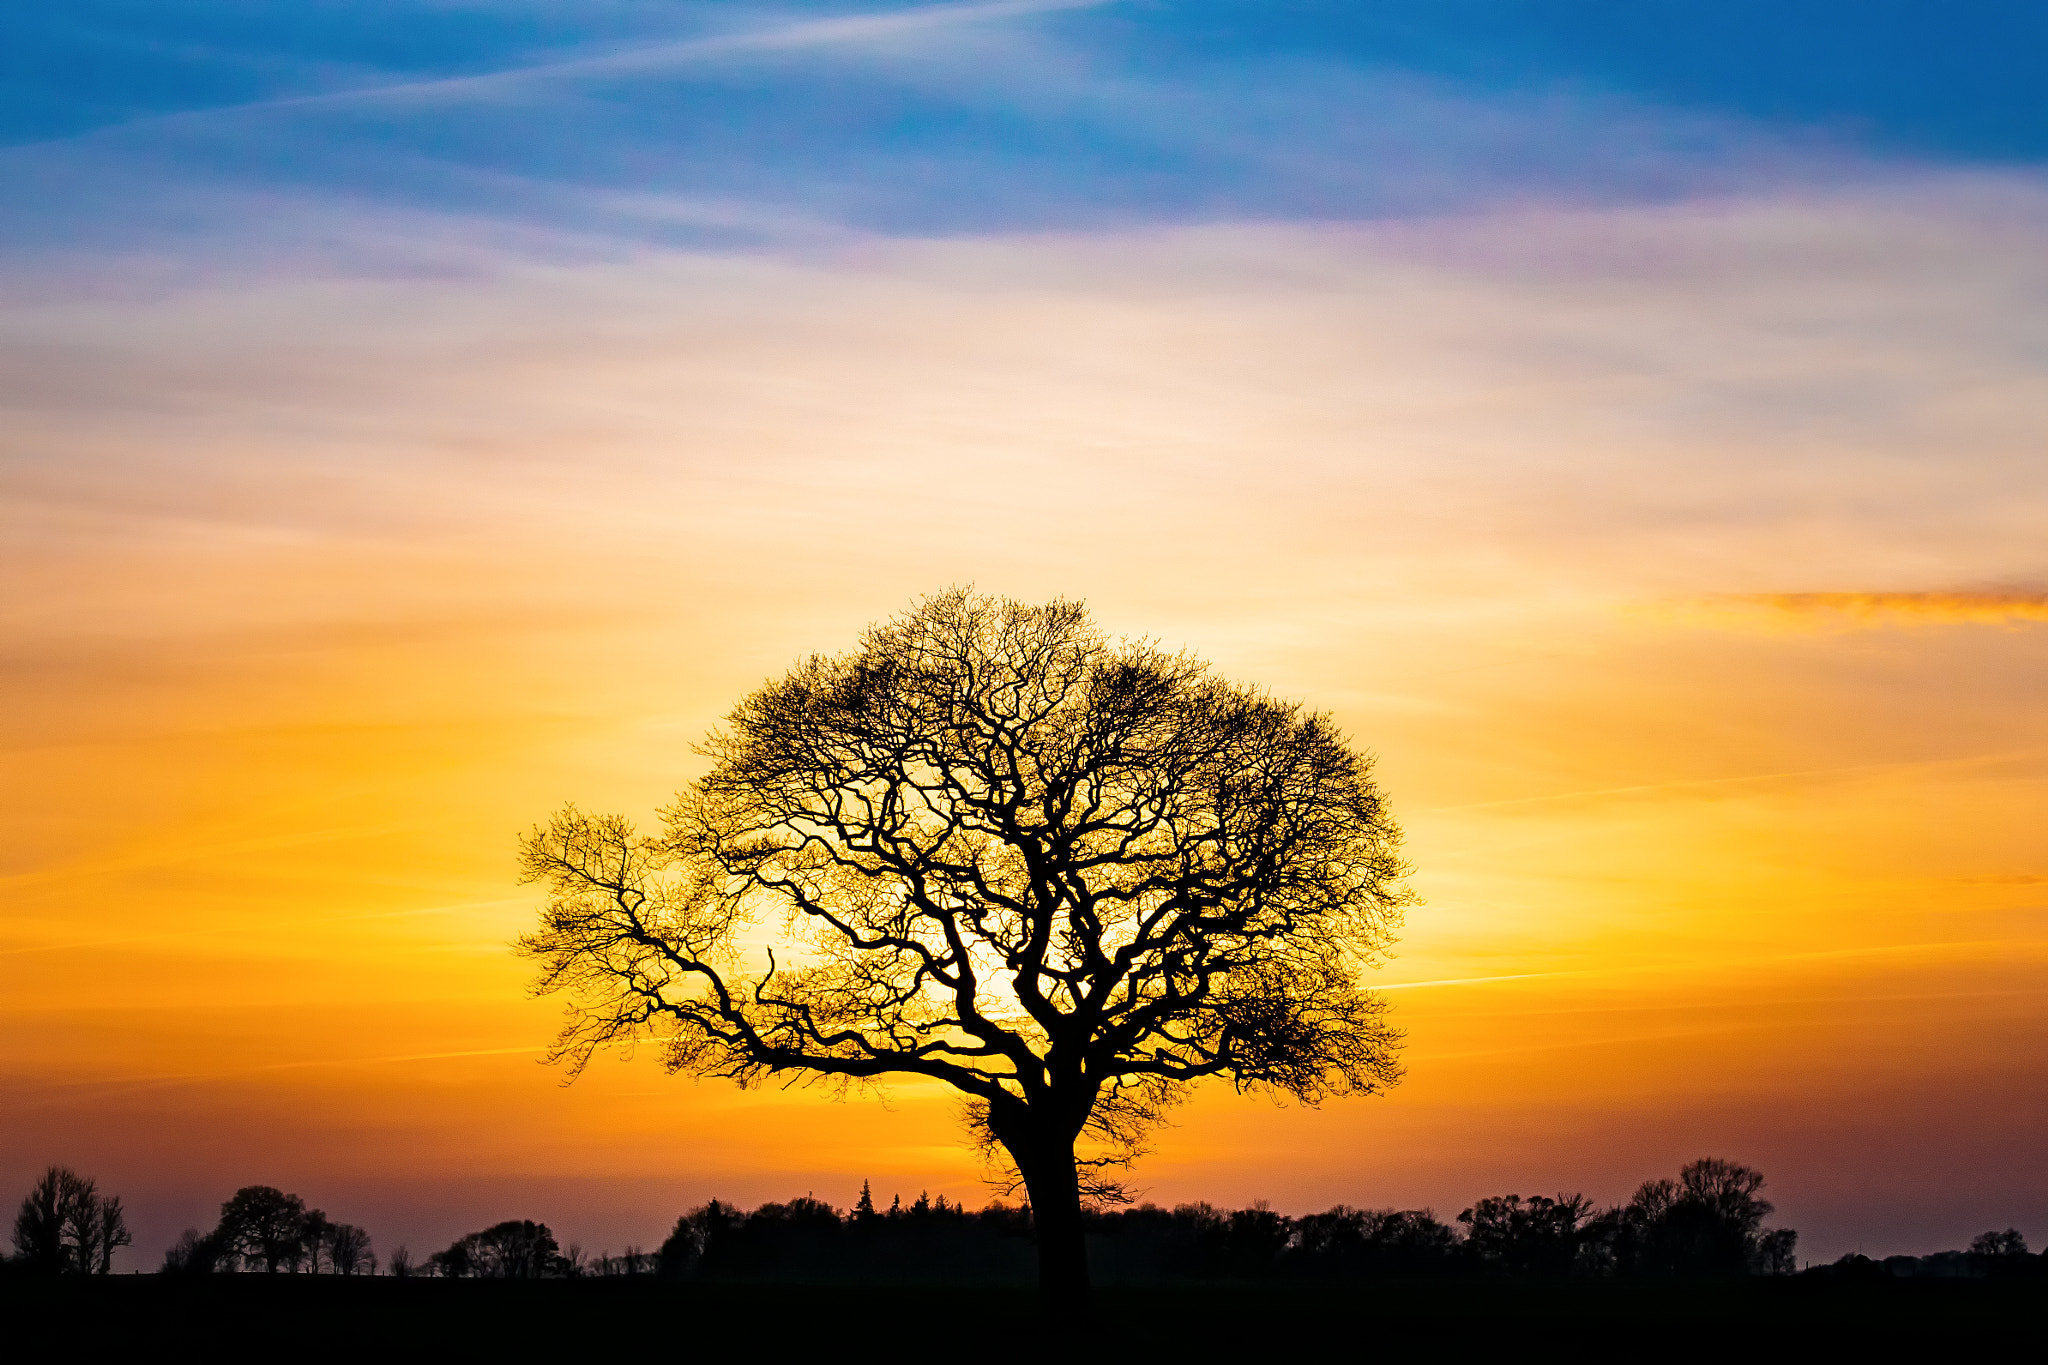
pixel 653 57
pixel 661 56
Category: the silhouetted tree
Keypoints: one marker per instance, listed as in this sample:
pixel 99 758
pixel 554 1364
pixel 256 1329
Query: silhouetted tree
pixel 1373 1242
pixel 796 1238
pixel 263 1226
pixel 401 1263
pixel 456 1263
pixel 1205 1241
pixel 2003 1254
pixel 314 1230
pixel 684 1251
pixel 932 1240
pixel 1773 1252
pixel 39 1224
pixel 518 1249
pixel 65 1226
pixel 104 1234
pixel 1707 1222
pixel 1536 1236
pixel 348 1250
pixel 2007 1243
pixel 1065 876
pixel 193 1254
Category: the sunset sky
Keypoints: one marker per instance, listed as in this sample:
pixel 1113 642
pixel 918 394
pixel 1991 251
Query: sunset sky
pixel 1630 420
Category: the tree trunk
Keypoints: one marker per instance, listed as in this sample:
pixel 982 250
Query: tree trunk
pixel 1053 1181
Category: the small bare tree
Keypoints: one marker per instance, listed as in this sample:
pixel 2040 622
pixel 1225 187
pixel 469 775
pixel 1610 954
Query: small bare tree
pixel 109 1233
pixel 1068 877
pixel 348 1250
pixel 66 1225
pixel 315 1231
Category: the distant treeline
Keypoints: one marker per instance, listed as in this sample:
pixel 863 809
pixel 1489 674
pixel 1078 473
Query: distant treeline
pixel 1990 1254
pixel 1709 1221
pixel 264 1229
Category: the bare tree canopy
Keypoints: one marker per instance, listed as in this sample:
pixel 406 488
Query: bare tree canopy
pixel 65 1225
pixel 1065 875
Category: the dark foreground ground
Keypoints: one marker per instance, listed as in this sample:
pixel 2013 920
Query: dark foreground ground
pixel 303 1318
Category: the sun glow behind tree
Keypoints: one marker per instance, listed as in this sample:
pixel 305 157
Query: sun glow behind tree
pixel 1067 878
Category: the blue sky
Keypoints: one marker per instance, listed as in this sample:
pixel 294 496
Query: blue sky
pixel 125 123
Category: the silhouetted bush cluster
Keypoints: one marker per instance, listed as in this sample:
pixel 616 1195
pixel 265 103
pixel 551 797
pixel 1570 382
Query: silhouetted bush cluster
pixel 518 1249
pixel 1992 1255
pixel 1707 1222
pixel 264 1229
pixel 807 1238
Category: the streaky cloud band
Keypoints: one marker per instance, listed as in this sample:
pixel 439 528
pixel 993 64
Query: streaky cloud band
pixel 1995 606
pixel 641 59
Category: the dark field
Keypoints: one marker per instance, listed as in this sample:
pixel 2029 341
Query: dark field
pixel 327 1318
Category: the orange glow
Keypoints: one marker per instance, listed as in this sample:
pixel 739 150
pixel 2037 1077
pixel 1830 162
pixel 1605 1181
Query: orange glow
pixel 1854 609
pixel 354 582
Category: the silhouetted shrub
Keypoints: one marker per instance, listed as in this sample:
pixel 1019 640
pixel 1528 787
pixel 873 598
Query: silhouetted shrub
pixel 1374 1242
pixel 2003 1254
pixel 1538 1236
pixel 517 1249
pixel 194 1254
pixel 1999 1245
pixel 806 1238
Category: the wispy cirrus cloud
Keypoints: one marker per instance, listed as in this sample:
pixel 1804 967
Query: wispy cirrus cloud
pixel 653 58
pixel 1996 606
pixel 933 119
pixel 638 59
